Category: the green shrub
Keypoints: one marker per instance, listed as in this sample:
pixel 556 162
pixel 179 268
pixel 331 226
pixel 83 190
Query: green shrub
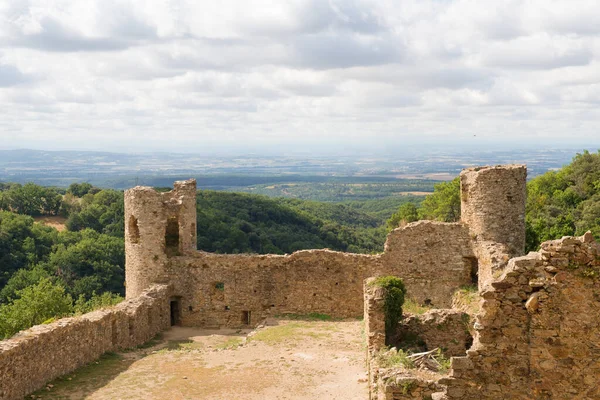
pixel 394 299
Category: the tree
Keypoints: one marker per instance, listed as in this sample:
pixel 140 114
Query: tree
pixel 89 262
pixel 22 243
pixel 79 189
pixel 444 203
pixel 406 213
pixel 35 304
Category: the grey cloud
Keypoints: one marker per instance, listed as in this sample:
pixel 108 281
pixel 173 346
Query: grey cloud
pixel 451 78
pixel 344 51
pixel 316 90
pixel 124 22
pixel 11 76
pixel 421 77
pixel 57 38
pixel 229 106
pixel 394 101
pixel 537 58
pixel 356 17
pixel 317 16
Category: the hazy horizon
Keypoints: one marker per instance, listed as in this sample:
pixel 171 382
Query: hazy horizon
pixel 336 150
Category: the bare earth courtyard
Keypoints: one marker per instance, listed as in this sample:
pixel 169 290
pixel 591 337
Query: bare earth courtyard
pixel 285 359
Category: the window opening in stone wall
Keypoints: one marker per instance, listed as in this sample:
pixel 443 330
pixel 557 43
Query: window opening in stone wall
pixel 246 317
pixel 172 237
pixel 131 327
pixel 174 312
pixel 473 264
pixel 134 230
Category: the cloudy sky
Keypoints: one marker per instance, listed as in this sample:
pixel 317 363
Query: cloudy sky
pixel 193 75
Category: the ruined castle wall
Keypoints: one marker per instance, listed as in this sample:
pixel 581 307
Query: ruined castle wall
pixel 157 226
pixel 537 336
pixel 395 383
pixel 45 352
pixel 219 290
pixel 493 207
pixel 374 317
pixel 445 329
pixel 434 259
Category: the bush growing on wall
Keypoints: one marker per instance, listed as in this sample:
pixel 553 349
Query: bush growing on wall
pixel 394 299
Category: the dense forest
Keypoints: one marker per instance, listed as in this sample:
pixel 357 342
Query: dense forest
pixel 47 273
pixel 559 203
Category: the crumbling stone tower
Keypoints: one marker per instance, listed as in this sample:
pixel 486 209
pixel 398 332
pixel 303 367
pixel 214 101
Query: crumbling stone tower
pixel 493 208
pixel 158 226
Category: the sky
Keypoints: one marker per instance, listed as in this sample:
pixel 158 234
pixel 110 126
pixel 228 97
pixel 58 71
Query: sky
pixel 298 75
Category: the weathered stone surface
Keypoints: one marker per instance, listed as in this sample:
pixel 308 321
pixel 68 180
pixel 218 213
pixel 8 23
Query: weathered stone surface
pixel 444 329
pixel 35 356
pixel 547 346
pixel 493 207
pixel 433 258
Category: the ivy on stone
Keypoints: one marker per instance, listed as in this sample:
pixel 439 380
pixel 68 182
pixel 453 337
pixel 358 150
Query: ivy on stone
pixel 394 299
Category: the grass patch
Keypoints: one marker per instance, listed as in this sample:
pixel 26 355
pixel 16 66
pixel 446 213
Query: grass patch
pixel 394 358
pixel 183 345
pixel 467 299
pixel 412 307
pixel 230 343
pixel 152 342
pixel 306 317
pixel 443 361
pixel 278 334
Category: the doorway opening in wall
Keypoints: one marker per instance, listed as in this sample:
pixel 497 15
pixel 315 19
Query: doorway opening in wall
pixel 175 312
pixel 246 317
pixel 172 237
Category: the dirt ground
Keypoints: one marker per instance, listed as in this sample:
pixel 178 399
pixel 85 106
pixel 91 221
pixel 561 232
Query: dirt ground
pixel 285 359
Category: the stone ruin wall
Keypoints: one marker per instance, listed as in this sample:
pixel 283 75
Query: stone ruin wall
pixel 538 335
pixel 40 354
pixel 392 383
pixel 446 329
pixel 434 259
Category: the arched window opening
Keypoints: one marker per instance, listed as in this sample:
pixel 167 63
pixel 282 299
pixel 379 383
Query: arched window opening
pixel 134 230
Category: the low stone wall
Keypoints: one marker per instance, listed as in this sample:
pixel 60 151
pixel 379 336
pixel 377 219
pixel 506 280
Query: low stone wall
pixel 389 383
pixel 34 357
pixel 538 334
pixel 444 329
pixel 399 385
pixel 374 317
